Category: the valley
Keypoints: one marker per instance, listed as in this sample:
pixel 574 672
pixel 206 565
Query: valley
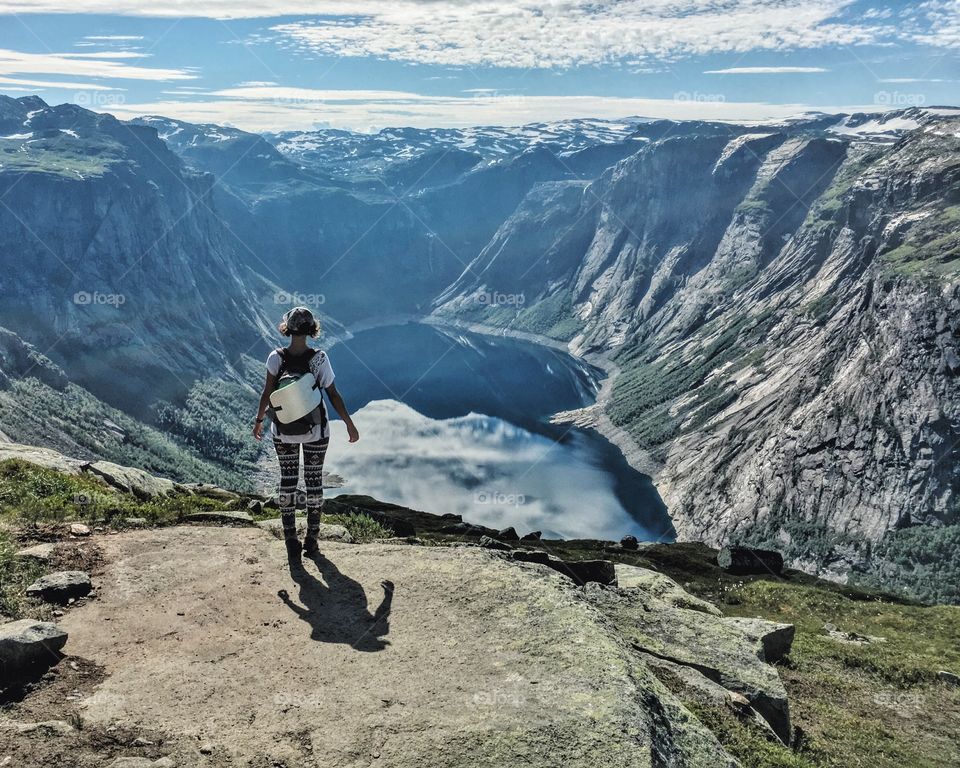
pixel 781 301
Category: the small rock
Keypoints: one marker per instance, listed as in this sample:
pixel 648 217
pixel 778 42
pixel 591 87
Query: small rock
pixel 46 727
pixel 629 542
pixel 508 534
pixel 271 504
pixel 26 645
pixel 532 536
pixel 487 542
pixel 206 749
pixel 255 507
pixel 60 587
pixel 79 529
pixel 949 678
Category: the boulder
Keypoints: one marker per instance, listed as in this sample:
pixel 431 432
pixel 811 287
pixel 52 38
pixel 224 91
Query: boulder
pixel 949 678
pixel 584 571
pixel 488 542
pixel 42 457
pixel 209 490
pixel 60 587
pixel 719 648
pixel 463 529
pixel 661 587
pixel 79 529
pixel 745 561
pixel 255 507
pixel 629 542
pixel 27 645
pixel 508 534
pixel 532 536
pixel 532 556
pixel 141 484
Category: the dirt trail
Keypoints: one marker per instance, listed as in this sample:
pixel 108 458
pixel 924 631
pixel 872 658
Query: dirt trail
pixel 462 659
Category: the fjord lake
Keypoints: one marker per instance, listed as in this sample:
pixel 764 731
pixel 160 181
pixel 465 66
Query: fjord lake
pixel 459 422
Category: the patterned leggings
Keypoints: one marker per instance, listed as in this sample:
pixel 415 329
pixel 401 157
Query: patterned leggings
pixel 289 456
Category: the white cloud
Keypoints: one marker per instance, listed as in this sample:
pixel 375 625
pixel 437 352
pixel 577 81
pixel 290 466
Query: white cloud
pixel 114 38
pixel 570 32
pixel 83 65
pixel 32 84
pixel 915 80
pixel 299 108
pixel 763 70
pixel 548 33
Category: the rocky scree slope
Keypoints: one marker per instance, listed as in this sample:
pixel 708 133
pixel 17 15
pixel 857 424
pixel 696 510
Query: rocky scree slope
pixel 784 309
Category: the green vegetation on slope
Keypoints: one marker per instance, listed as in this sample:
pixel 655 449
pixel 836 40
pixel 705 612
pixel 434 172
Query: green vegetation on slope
pixel 930 247
pixel 57 153
pixel 645 390
pixel 923 562
pixel 75 413
pixel 32 498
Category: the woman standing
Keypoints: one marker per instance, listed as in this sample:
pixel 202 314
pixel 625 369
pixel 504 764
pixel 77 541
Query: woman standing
pixel 312 432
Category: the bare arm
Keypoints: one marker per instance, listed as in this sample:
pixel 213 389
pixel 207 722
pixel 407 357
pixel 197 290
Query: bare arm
pixel 268 387
pixel 338 405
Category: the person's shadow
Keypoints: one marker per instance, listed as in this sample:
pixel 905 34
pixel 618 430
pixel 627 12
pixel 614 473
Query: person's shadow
pixel 337 610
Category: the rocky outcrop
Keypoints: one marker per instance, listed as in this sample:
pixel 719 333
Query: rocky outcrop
pixel 661 587
pixel 533 673
pixel 721 649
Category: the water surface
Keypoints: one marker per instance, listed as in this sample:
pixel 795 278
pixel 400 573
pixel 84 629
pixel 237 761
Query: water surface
pixel 459 422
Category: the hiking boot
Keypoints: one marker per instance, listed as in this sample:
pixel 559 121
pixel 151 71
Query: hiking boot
pixel 293 547
pixel 311 546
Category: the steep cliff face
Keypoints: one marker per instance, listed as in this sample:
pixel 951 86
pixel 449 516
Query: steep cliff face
pixel 783 304
pixel 115 261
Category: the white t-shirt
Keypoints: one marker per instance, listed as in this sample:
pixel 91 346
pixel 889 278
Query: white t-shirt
pixel 321 368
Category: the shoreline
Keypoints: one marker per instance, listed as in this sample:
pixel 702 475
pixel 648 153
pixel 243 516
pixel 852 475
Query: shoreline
pixel 593 416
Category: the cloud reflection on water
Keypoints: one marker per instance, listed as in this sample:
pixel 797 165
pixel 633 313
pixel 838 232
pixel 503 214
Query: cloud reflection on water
pixel 484 468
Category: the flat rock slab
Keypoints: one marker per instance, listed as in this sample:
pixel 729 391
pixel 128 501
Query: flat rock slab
pixel 42 552
pixel 26 645
pixel 328 531
pixel 378 654
pixel 61 586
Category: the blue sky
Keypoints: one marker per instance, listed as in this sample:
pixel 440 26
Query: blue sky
pixel 369 64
